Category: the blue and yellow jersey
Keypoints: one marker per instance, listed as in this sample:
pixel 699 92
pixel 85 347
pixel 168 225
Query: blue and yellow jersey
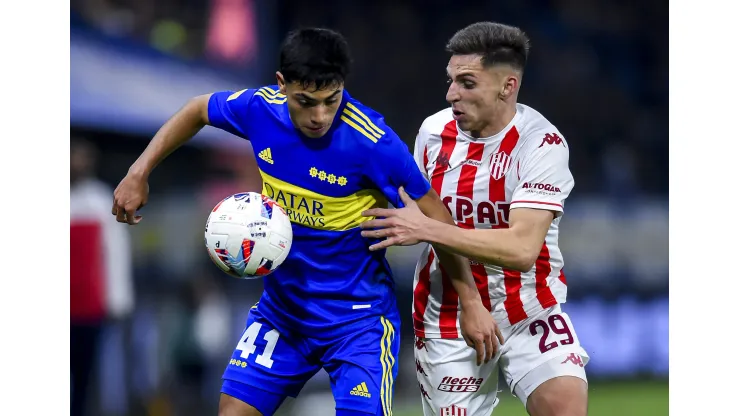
pixel 330 281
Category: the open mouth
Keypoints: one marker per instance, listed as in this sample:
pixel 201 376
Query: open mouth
pixel 457 114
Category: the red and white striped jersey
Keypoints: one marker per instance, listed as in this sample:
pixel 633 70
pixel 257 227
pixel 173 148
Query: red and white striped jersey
pixel 480 180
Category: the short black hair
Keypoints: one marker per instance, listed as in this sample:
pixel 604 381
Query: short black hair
pixel 496 43
pixel 315 56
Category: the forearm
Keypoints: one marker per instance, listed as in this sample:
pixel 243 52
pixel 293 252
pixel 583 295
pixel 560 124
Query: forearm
pixel 500 247
pixel 458 269
pixel 456 266
pixel 180 128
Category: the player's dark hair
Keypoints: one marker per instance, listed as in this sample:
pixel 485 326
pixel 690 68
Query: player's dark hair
pixel 315 56
pixel 495 42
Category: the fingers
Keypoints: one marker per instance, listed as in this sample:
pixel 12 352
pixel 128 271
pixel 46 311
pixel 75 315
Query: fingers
pixel 376 223
pixel 490 348
pixel 385 232
pixel 405 198
pixel 377 212
pixel 499 336
pixel 131 217
pixel 383 244
pixel 480 351
pixel 121 215
pixel 126 213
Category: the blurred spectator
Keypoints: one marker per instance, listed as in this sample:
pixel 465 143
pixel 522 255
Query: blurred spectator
pixel 232 31
pixel 101 289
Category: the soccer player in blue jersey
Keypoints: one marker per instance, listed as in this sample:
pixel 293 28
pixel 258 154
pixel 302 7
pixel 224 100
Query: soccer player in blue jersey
pixel 325 158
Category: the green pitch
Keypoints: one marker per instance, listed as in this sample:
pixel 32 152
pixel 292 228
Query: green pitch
pixel 634 398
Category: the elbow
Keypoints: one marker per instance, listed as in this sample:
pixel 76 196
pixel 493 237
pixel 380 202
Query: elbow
pixel 199 105
pixel 524 261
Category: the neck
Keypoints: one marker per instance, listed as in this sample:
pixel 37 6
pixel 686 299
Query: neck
pixel 500 119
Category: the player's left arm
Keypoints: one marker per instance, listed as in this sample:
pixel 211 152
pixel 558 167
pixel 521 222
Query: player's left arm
pixel 544 183
pixel 516 247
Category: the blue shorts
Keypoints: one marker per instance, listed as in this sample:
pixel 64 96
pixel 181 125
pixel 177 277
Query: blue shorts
pixel 268 366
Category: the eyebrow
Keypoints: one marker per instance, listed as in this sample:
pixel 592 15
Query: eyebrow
pixel 300 94
pixel 462 75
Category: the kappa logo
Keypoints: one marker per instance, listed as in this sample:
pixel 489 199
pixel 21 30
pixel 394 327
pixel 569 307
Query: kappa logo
pixel 551 138
pixel 424 392
pixel 574 359
pixel 443 159
pixel 420 369
pixel 420 343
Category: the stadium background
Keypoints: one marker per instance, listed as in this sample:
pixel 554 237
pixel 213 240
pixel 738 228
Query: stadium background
pixel 598 70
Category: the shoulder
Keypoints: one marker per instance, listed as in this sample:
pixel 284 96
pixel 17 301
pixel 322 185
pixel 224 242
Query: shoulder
pixel 261 97
pixel 366 125
pixel 435 124
pixel 537 132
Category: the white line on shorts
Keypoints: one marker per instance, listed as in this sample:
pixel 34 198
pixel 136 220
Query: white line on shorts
pixel 360 306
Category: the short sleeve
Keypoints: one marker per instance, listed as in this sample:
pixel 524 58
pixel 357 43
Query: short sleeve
pixel 228 110
pixel 393 166
pixel 544 179
pixel 420 150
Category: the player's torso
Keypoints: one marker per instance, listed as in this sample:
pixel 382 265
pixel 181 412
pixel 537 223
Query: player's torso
pixel 476 179
pixel 330 275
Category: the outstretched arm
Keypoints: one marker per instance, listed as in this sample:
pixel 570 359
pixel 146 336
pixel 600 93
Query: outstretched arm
pixel 133 191
pixel 180 128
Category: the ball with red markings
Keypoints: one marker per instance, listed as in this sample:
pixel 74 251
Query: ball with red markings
pixel 248 235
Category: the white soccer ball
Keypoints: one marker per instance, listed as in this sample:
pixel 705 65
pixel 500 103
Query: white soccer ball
pixel 248 235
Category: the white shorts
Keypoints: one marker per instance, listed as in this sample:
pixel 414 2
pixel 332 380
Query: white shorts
pixel 535 350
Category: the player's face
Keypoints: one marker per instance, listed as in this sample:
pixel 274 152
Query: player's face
pixel 475 91
pixel 312 111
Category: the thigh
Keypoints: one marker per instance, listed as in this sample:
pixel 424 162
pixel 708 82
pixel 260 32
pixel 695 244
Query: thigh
pixel 451 382
pixel 548 337
pixel 555 390
pixel 265 367
pixel 363 367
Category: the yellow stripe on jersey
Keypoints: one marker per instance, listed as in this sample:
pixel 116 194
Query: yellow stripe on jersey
pixel 271 93
pixel 271 99
pixel 321 212
pixel 358 128
pixel 364 117
pixel 236 95
pixel 387 361
pixel 352 115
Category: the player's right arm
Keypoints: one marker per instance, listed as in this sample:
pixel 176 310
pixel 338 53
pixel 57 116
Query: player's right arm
pixel 399 169
pixel 223 110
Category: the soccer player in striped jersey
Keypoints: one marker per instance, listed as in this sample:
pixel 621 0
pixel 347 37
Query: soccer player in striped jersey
pixel 501 169
pixel 325 158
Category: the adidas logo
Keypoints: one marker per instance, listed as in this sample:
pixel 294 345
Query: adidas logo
pixel 266 155
pixel 360 390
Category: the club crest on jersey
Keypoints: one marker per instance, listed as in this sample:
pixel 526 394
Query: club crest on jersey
pixel 499 164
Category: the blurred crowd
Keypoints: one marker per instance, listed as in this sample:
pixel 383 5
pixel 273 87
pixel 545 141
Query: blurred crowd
pixel 597 70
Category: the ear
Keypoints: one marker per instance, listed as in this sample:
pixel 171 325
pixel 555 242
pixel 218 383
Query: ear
pixel 281 82
pixel 509 87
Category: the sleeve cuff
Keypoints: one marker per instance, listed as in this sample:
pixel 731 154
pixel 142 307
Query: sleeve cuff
pixel 550 206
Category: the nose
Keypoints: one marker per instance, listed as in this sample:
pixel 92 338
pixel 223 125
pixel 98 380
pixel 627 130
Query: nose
pixel 320 115
pixel 453 95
